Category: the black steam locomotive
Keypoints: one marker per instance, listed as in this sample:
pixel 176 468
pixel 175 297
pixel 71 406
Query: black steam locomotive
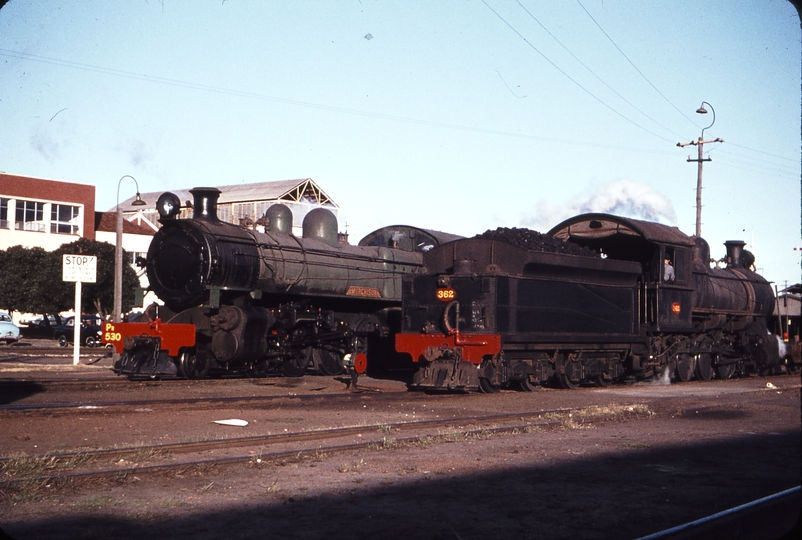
pixel 629 300
pixel 237 299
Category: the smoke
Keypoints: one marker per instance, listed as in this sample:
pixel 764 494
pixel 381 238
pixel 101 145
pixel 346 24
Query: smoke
pixel 625 198
pixel 664 379
pixel 781 347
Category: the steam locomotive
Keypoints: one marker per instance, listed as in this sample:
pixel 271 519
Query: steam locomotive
pixel 635 300
pixel 237 299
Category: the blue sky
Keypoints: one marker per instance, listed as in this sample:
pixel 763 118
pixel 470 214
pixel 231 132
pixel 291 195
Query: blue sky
pixel 458 115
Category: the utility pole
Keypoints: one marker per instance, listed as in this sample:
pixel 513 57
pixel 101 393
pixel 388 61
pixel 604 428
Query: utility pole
pixel 700 143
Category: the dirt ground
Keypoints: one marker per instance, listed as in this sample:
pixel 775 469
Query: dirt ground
pixel 704 448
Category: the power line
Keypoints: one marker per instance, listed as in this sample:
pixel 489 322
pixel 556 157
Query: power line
pixel 331 108
pixel 592 72
pixel 796 160
pixel 568 76
pixel 634 66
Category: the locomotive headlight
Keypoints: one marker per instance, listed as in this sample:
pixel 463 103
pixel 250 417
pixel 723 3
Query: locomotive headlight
pixel 168 205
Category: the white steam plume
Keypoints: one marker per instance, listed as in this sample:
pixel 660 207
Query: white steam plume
pixel 625 198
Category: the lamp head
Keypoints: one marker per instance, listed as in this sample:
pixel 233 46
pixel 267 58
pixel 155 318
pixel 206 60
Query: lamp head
pixel 701 110
pixel 168 205
pixel 139 201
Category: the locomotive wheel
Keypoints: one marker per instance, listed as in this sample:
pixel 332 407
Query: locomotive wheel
pixel 327 362
pixel 527 385
pixel 600 381
pixel 486 386
pixel 295 366
pixel 704 367
pixel 725 371
pixel 193 366
pixel 685 366
pixel 566 382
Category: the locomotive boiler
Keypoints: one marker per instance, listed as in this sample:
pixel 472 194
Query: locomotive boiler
pixel 599 298
pixel 239 299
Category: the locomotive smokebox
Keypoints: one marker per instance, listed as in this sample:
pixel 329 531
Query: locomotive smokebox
pixel 735 250
pixel 205 204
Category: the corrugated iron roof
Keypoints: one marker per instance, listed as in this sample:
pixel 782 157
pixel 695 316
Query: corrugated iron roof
pixel 235 193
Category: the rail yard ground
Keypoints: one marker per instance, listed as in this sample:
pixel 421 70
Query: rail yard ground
pixel 87 455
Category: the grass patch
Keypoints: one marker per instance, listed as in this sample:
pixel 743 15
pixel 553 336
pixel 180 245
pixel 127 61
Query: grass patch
pixel 172 503
pixel 27 467
pixel 350 467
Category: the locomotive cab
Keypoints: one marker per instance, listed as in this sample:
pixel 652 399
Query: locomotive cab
pixel 664 253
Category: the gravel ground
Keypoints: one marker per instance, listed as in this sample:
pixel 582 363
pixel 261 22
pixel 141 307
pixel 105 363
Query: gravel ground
pixel 703 448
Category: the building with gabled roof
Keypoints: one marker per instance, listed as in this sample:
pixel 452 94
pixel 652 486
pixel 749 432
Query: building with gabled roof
pixel 241 203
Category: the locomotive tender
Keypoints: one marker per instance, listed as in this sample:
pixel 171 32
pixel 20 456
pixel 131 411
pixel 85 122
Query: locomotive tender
pixel 240 300
pixel 488 314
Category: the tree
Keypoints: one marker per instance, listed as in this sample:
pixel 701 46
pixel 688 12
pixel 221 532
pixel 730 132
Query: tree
pixel 30 281
pixel 101 293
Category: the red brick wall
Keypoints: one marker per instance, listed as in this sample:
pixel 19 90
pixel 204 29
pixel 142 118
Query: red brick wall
pixel 53 191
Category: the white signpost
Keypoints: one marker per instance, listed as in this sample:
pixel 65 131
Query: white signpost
pixel 78 268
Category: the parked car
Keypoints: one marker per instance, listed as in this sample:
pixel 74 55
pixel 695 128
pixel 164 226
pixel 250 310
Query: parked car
pixel 37 327
pixel 90 331
pixel 9 332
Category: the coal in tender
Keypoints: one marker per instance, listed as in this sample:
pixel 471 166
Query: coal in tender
pixel 535 241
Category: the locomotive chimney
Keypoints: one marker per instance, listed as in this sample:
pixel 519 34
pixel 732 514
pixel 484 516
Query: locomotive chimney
pixel 205 204
pixel 734 253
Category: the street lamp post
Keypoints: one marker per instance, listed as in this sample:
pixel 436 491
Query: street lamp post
pixel 700 143
pixel 118 251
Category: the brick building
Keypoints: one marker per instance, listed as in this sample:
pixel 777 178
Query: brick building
pixel 44 213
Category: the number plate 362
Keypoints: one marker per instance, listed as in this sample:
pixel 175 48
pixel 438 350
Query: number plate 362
pixel 446 295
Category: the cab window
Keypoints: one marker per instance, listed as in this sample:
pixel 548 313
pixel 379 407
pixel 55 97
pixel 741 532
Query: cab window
pixel 675 265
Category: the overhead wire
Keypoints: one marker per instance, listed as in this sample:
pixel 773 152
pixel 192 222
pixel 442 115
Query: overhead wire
pixel 591 94
pixel 344 110
pixel 645 78
pixel 593 72
pixel 729 143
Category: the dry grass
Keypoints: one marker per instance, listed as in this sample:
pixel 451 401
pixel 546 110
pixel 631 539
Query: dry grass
pixel 32 467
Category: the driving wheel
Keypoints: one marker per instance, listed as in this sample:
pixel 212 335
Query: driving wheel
pixel 704 367
pixel 685 365
pixel 295 365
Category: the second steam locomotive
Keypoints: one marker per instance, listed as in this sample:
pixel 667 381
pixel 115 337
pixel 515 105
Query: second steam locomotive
pixel 639 300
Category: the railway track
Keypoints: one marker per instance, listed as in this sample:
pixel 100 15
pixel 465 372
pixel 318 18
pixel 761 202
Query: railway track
pixel 65 467
pixel 190 403
pixel 92 383
pixel 51 352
